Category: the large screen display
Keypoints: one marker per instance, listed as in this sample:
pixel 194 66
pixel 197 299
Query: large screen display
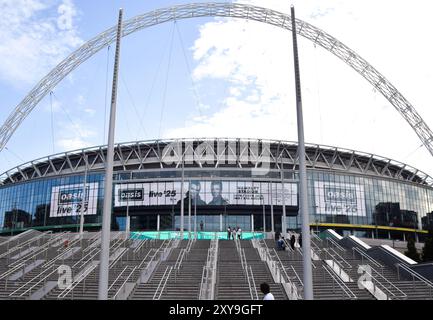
pixel 205 193
pixel 67 200
pixel 339 198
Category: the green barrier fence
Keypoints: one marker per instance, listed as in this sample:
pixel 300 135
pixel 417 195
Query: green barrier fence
pixel 201 235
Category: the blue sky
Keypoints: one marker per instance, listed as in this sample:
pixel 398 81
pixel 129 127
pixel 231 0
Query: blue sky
pixel 216 77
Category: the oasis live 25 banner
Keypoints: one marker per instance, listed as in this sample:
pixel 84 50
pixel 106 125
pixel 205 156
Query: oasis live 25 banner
pixel 339 198
pixel 205 193
pixel 67 200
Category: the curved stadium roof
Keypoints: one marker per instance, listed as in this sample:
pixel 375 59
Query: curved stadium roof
pixel 141 155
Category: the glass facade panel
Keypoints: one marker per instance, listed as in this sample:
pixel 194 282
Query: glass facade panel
pixel 334 198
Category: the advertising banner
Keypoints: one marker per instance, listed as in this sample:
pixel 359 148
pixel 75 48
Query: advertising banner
pixel 339 198
pixel 205 193
pixel 67 200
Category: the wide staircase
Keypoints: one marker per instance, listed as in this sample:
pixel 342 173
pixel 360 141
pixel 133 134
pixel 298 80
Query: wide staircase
pixel 179 277
pixel 326 284
pixel 35 265
pixel 396 287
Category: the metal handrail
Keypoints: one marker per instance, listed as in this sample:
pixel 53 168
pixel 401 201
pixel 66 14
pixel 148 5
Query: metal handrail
pixel 315 236
pixel 340 283
pixel 93 242
pixel 281 264
pixel 273 267
pixel 369 258
pixel 414 275
pixel 40 275
pixel 71 244
pixel 297 276
pixel 164 279
pixel 39 250
pixel 251 283
pixel 254 284
pixel 124 283
pixel 58 257
pixel 144 259
pixel 87 257
pixel 203 282
pixel 138 248
pixel 111 265
pixel 179 259
pixel 401 294
pixel 348 265
pixel 11 271
pixel 23 244
pixel 335 244
pixel 115 280
pixel 82 276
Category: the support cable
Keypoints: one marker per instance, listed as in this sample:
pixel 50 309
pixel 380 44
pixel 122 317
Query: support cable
pixel 164 97
pixel 140 122
pixel 194 86
pixel 74 125
pixel 155 77
pixel 16 155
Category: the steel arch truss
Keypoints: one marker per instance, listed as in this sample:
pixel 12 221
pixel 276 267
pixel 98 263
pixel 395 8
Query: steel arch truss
pixel 130 159
pixel 233 10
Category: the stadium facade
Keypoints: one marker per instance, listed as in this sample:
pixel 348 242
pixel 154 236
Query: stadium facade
pixel 225 182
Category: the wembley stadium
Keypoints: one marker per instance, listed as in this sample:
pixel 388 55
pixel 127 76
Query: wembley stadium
pixel 215 218
pixel 232 182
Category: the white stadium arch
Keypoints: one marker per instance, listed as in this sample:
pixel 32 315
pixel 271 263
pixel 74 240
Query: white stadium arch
pixel 233 10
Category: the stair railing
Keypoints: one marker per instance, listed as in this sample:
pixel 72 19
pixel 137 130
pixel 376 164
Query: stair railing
pixel 340 261
pixel 20 246
pixel 34 282
pixel 414 275
pixel 365 256
pixel 385 285
pixel 178 264
pixel 277 271
pixel 208 280
pixel 123 286
pixel 335 244
pixel 336 280
pixel 252 284
pixel 76 282
pixel 33 254
pixel 162 283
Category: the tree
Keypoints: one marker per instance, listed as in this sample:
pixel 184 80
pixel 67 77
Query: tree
pixel 427 250
pixel 411 250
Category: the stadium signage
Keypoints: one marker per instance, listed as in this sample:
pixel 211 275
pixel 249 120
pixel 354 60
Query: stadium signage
pixel 205 193
pixel 67 200
pixel 131 194
pixel 339 199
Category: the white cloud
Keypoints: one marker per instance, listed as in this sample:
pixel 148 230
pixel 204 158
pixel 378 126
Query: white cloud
pixel 340 107
pixel 72 143
pixel 33 39
pixel 74 135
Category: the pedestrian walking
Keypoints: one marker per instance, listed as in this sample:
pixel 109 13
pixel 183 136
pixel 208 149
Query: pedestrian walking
pixel 229 233
pixel 266 290
pixel 292 241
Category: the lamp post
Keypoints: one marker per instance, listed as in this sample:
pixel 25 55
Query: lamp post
pixel 108 185
pixel 303 197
